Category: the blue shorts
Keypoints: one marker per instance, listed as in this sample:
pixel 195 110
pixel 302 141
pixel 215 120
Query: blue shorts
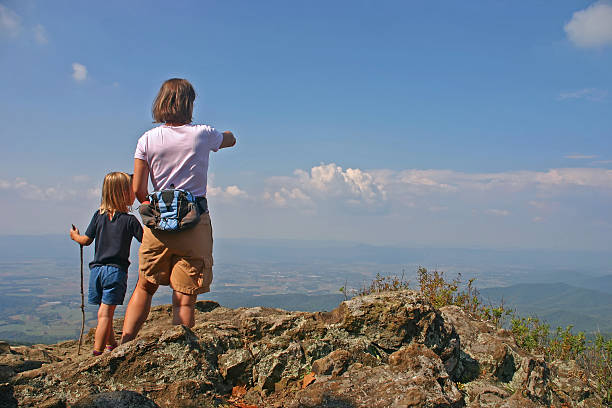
pixel 107 284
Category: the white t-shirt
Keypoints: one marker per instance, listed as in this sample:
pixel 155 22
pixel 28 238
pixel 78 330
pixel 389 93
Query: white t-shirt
pixel 179 155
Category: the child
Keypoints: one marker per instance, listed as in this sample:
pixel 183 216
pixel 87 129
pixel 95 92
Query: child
pixel 112 228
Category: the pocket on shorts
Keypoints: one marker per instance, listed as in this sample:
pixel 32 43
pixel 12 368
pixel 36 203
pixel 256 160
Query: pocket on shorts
pixel 191 275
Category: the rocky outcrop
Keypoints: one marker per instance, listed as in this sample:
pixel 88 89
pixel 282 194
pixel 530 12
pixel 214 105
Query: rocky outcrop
pixel 382 350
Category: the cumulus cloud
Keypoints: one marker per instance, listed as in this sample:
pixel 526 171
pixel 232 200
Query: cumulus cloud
pixel 230 193
pixel 30 191
pixel 383 189
pixel 591 94
pixel 10 22
pixel 354 187
pixel 285 196
pixel 591 27
pixel 79 72
pixel 40 34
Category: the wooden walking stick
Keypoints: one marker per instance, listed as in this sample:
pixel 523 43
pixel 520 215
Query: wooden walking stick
pixel 82 301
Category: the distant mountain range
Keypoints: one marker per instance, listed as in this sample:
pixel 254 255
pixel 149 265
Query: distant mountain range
pixel 560 304
pixel 589 263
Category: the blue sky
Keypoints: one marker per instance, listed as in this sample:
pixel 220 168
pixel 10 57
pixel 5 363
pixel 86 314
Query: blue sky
pixel 465 124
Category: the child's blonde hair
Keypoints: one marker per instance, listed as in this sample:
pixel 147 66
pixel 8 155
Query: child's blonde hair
pixel 116 193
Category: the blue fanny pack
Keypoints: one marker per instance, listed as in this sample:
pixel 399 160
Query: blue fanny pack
pixel 172 210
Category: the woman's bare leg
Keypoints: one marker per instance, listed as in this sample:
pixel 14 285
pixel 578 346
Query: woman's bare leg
pixel 183 308
pixel 138 309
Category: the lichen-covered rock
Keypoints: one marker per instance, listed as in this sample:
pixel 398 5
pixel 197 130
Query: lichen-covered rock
pixel 386 349
pixel 490 354
pixel 415 377
pixel 18 359
pixel 5 348
pixel 234 364
pixel 571 385
pixel 334 364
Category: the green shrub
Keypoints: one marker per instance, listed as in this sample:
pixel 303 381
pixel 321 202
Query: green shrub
pixel 565 345
pixel 530 333
pixel 597 359
pixel 384 283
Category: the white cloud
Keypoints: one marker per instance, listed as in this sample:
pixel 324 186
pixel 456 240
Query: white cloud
pixel 282 197
pixel 354 187
pixel 230 193
pixel 500 213
pixel 331 186
pixel 584 177
pixel 422 181
pixel 580 156
pixel 79 72
pixel 94 192
pixel 40 34
pixel 591 94
pixel 30 191
pixel 591 27
pixel 10 22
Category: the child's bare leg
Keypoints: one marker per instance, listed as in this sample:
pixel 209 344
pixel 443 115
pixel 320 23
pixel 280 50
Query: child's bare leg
pixel 110 336
pixel 105 321
pixel 138 309
pixel 183 308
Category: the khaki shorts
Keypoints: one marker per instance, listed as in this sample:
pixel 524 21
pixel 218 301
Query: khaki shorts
pixel 182 259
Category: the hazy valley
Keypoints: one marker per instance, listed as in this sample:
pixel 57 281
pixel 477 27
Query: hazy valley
pixel 40 294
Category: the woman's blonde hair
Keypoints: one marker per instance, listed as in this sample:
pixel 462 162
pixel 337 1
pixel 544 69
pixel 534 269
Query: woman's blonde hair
pixel 174 102
pixel 116 193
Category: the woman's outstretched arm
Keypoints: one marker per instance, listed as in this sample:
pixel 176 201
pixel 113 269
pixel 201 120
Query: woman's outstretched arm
pixel 229 140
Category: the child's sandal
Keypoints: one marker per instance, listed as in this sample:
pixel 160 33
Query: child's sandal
pixel 97 353
pixel 110 348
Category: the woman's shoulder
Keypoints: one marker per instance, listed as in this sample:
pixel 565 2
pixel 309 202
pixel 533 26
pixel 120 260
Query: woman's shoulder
pixel 151 132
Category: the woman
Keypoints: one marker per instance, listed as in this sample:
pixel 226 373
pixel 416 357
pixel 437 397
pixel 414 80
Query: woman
pixel 174 155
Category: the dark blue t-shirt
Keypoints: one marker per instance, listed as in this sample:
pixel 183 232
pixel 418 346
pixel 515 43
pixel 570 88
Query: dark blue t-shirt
pixel 113 238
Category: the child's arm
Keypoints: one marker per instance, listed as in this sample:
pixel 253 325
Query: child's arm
pixel 80 239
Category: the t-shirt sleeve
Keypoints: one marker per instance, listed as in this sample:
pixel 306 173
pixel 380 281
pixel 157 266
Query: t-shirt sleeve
pixel 136 229
pixel 141 149
pixel 215 138
pixel 91 229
